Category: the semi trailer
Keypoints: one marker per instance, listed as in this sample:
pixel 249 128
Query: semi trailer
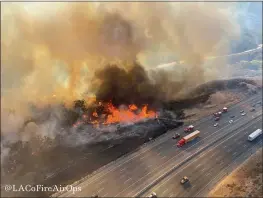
pixel 254 135
pixel 188 138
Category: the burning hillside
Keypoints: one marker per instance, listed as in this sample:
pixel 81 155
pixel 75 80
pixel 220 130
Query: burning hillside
pixel 107 113
pixel 79 75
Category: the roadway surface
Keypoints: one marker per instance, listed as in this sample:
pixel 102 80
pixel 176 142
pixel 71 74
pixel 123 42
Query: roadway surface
pixel 133 174
pixel 208 165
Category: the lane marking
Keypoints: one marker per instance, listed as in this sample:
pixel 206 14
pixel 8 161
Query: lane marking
pixel 212 168
pixel 101 189
pixel 172 176
pixel 127 180
pixel 196 143
pixel 225 146
pixel 198 165
pixel 164 191
pixel 228 150
pixel 163 157
pixel 101 182
pixel 142 157
pixel 196 195
pixel 214 138
pixel 158 148
pixel 234 153
pixel 122 169
pixel 150 165
pixel 143 150
pixel 212 155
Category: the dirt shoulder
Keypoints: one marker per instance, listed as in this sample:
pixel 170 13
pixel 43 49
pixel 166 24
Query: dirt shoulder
pixel 245 181
pixel 215 102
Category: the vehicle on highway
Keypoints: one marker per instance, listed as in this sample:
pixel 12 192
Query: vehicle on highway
pixel 254 135
pixel 253 109
pixel 184 180
pixel 189 128
pixel 254 105
pixel 216 124
pixel 259 102
pixel 243 114
pixel 177 135
pixel 188 138
pixel 153 195
pixel 242 111
pixel 217 114
pixel 217 118
pixel 232 116
pixel 231 121
pixel 225 109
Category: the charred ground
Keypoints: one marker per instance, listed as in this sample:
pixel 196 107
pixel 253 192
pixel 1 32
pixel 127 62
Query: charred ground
pixel 54 161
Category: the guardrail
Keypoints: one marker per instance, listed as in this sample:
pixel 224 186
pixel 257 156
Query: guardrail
pixel 151 144
pixel 185 161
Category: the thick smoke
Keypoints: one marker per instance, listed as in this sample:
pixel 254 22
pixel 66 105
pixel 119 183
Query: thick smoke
pixel 57 55
pixel 103 48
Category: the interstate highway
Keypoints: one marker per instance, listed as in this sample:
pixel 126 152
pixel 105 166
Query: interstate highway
pixel 208 165
pixel 135 172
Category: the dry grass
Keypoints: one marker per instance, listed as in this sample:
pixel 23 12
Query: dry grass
pixel 216 101
pixel 245 181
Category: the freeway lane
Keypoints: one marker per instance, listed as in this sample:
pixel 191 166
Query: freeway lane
pixel 204 168
pixel 118 180
pixel 151 180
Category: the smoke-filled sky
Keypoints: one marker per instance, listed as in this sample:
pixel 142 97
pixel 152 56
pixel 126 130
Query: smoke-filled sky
pixel 50 51
pixel 60 52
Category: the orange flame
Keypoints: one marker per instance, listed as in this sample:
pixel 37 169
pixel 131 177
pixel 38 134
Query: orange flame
pixel 115 115
pixel 125 116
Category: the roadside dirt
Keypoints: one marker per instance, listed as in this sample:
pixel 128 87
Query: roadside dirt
pixel 245 181
pixel 216 102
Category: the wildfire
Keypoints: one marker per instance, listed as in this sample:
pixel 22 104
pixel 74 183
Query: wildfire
pixel 112 115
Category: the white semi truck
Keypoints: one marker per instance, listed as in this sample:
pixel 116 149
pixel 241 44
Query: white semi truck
pixel 254 135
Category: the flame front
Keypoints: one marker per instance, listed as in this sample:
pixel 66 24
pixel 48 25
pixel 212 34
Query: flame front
pixel 129 115
pixel 113 115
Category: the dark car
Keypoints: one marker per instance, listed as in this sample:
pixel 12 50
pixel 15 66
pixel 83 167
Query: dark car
pixel 217 118
pixel 252 109
pixel 177 135
pixel 232 116
pixel 184 180
pixel 242 111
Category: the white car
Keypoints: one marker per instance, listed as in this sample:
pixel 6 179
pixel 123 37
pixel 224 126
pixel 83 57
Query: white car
pixel 153 195
pixel 231 121
pixel 216 124
pixel 243 114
